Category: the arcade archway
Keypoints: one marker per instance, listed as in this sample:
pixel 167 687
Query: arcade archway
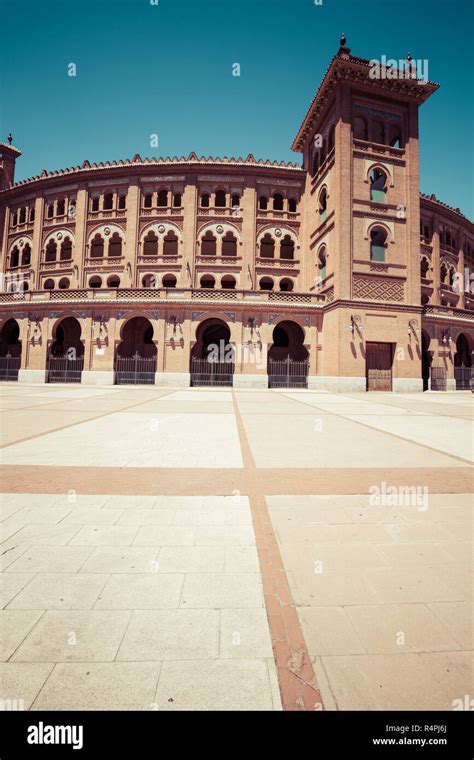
pixel 136 354
pixel 462 364
pixel 288 358
pixel 65 359
pixel 212 361
pixel 426 360
pixel 10 350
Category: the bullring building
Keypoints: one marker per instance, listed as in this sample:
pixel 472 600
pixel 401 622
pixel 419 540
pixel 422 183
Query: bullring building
pixel 333 273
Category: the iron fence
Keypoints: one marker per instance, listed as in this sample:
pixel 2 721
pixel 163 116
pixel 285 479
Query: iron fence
pixel 9 367
pixel 61 369
pixel 287 373
pixel 205 372
pixel 464 377
pixel 135 370
pixel 438 379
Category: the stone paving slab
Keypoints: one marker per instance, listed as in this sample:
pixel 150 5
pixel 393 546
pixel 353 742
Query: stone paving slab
pixel 158 577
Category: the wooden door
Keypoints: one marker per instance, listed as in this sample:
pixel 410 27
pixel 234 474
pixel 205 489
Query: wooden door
pixel 379 357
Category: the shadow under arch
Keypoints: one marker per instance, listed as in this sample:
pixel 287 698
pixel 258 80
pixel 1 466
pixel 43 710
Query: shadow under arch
pixel 10 350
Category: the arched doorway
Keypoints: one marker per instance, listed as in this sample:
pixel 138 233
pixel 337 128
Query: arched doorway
pixel 10 350
pixel 462 364
pixel 212 360
pixel 65 360
pixel 288 360
pixel 135 355
pixel 426 360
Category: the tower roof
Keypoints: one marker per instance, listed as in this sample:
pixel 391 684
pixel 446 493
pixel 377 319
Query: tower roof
pixel 345 67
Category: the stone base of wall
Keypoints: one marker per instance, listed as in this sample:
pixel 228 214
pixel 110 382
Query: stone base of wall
pixel 172 379
pixel 250 381
pixel 337 384
pixel 97 377
pixel 407 384
pixel 32 376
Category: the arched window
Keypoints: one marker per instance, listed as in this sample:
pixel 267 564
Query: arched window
pixel 229 244
pixel 50 210
pixel 15 219
pixel 443 272
pixel 286 284
pixel 278 202
pixel 292 205
pixel 115 245
pixel 395 137
pixel 322 260
pixel 15 257
pixel 263 203
pixel 235 201
pixel 61 207
pixel 148 200
pixel 169 281
pixel 32 214
pixel 266 283
pixel 95 282
pixel 207 281
pixel 24 286
pixel 228 282
pixel 51 250
pixel 205 200
pixel 220 200
pixel 97 247
pixel 452 274
pixel 170 244
pixel 287 248
pixel 63 283
pixel 267 247
pixel 48 284
pixel 22 215
pixel 108 201
pixel 113 281
pixel 360 128
pixel 208 245
pixel 149 280
pixel 424 266
pixel 95 203
pixel 323 204
pixel 378 185
pixel 378 132
pixel 177 200
pixel 150 244
pixel 122 202
pixel 65 253
pixel 26 255
pixel 378 243
pixel 162 198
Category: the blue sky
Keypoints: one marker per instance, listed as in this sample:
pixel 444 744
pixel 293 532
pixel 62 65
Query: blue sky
pixel 166 69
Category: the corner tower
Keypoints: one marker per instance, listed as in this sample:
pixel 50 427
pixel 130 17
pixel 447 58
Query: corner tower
pixel 359 141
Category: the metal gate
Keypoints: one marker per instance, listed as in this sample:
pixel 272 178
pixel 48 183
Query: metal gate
pixel 135 370
pixel 463 377
pixel 205 372
pixel 438 379
pixel 287 373
pixel 61 369
pixel 9 367
pixel 379 358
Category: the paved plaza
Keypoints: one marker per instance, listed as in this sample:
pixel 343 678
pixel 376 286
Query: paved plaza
pixel 229 549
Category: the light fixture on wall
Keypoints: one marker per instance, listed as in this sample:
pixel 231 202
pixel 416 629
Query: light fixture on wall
pixel 446 339
pixel 355 324
pixel 175 321
pixel 413 328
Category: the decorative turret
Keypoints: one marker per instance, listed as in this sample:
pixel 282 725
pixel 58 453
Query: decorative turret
pixel 8 156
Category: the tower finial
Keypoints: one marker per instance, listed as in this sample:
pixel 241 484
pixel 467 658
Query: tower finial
pixel 343 40
pixel 10 138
